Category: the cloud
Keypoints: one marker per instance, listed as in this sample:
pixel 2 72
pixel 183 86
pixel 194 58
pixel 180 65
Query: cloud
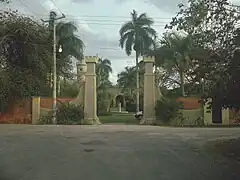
pixel 237 2
pixel 161 4
pixel 82 1
pixel 168 6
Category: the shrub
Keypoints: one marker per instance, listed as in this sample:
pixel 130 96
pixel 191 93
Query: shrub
pixel 131 107
pixel 46 119
pixel 167 109
pixel 103 107
pixel 66 114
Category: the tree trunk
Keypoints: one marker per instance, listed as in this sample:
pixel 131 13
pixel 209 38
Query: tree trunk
pixel 65 81
pixel 50 79
pixel 137 83
pixel 181 73
pixel 58 85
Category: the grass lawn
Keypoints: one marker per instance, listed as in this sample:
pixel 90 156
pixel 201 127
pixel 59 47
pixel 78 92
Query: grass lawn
pixel 119 118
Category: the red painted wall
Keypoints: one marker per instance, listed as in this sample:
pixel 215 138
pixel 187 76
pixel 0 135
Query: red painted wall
pixel 21 112
pixel 46 102
pixel 190 103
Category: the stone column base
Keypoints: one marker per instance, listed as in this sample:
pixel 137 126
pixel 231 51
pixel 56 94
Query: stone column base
pixel 92 121
pixel 148 121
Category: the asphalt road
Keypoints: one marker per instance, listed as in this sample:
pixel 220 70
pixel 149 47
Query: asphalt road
pixel 113 152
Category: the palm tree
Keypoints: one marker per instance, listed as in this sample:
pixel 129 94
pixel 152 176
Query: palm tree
pixel 103 70
pixel 174 55
pixel 72 46
pixel 127 80
pixel 137 35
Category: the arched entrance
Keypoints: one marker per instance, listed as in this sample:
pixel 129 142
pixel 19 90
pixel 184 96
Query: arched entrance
pixel 90 93
pixel 120 99
pixel 120 102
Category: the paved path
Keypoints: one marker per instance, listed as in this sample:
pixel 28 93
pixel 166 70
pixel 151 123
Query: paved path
pixel 112 152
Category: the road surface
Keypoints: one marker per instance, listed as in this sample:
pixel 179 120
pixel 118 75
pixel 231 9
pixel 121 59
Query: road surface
pixel 113 152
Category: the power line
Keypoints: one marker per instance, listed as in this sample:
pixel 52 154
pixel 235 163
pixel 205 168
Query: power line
pixel 115 24
pixel 100 16
pixel 109 48
pixel 108 20
pixel 56 6
pixel 51 43
pixel 26 6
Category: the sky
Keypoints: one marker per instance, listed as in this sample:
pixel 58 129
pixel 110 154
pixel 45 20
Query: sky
pixel 99 22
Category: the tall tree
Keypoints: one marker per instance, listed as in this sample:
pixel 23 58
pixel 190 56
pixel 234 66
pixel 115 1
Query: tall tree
pixel 174 55
pixel 126 81
pixel 25 57
pixel 103 70
pixel 127 78
pixel 72 46
pixel 213 27
pixel 5 1
pixel 137 35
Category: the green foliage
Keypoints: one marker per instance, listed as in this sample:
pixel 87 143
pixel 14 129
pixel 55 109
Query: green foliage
pixel 25 57
pixel 103 70
pixel 5 1
pixel 215 37
pixel 127 80
pixel 46 119
pixel 66 114
pixel 103 102
pixel 69 114
pixel 167 109
pixel 131 106
pixel 72 46
pixel 69 89
pixel 174 55
pixel 137 34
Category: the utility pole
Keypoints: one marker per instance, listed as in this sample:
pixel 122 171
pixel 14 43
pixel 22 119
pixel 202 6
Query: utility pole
pixel 51 21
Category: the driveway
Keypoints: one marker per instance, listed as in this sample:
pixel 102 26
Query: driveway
pixel 113 152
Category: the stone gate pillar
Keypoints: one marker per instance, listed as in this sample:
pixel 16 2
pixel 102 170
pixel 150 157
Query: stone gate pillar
pixel 149 92
pixel 90 99
pixel 81 73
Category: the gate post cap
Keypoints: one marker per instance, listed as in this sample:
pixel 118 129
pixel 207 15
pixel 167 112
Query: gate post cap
pixel 148 59
pixel 91 59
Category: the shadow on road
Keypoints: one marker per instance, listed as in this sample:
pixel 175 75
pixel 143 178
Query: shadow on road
pixel 227 148
pixel 3 176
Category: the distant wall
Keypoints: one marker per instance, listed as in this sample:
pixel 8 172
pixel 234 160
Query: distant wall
pixel 189 117
pixel 190 103
pixel 46 102
pixel 192 110
pixel 18 113
pixel 234 117
pixel 21 112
